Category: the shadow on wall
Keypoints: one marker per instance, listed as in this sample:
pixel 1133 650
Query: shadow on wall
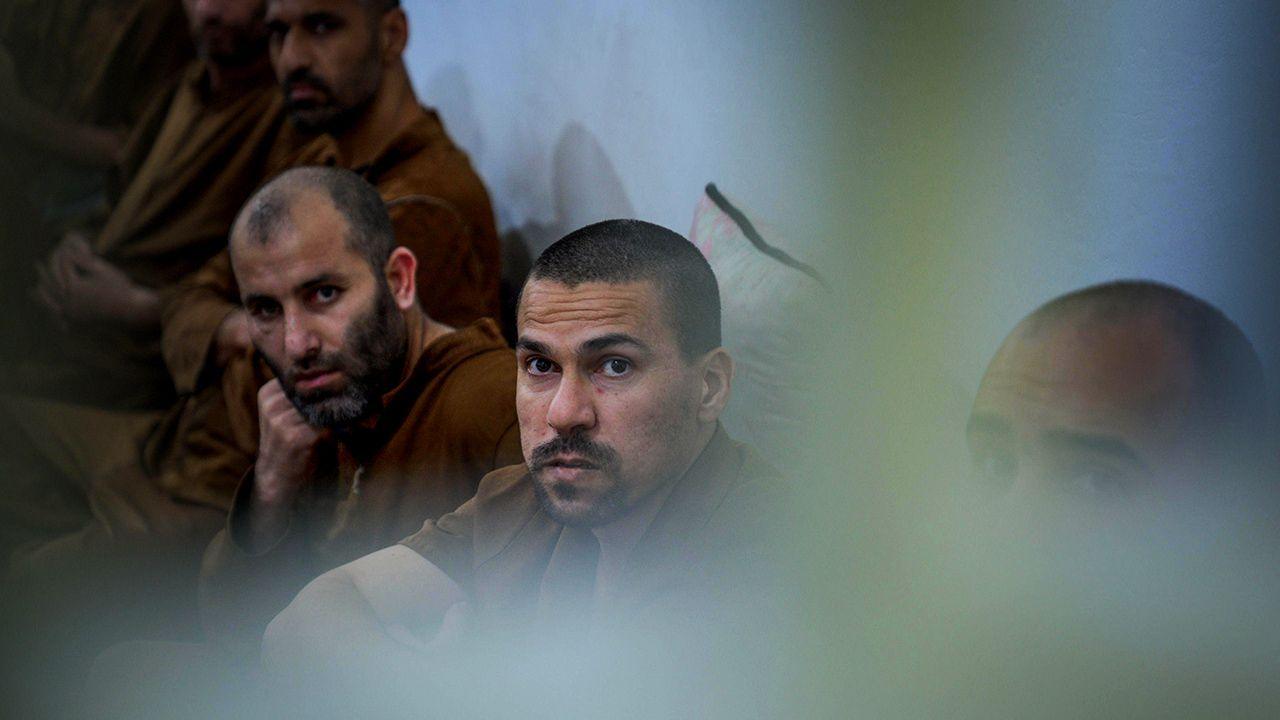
pixel 449 91
pixel 586 189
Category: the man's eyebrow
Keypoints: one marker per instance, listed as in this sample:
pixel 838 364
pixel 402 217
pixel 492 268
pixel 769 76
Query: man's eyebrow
pixel 532 346
pixel 322 279
pixel 322 16
pixel 254 298
pixel 596 344
pixel 989 424
pixel 1101 444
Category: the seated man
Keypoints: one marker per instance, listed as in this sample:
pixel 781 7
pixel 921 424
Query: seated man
pixel 197 154
pixel 631 502
pixel 1123 392
pixel 351 104
pixel 378 415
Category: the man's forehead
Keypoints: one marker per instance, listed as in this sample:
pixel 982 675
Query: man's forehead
pixel 310 241
pixel 551 310
pixel 1128 380
pixel 296 8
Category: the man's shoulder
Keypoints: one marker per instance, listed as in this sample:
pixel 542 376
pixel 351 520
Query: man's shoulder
pixel 504 504
pixel 475 365
pixel 757 502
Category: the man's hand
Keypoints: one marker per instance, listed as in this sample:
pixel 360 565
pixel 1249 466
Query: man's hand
pixel 232 339
pixel 287 450
pixel 78 286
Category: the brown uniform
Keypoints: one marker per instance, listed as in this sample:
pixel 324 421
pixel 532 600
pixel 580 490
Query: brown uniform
pixel 95 61
pixel 450 421
pixel 440 211
pixel 208 157
pixel 520 567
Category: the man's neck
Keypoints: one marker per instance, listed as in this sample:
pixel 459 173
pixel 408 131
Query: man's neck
pixel 394 108
pixel 230 79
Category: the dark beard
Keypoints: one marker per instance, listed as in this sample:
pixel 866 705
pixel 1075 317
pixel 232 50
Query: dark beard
pixel 608 506
pixel 376 347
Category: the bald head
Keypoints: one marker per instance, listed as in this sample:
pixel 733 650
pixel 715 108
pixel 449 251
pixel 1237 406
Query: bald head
pixel 1156 325
pixel 1116 388
pixel 368 229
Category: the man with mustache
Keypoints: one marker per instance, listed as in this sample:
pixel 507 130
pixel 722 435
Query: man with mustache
pixel 351 104
pixel 631 494
pixel 378 416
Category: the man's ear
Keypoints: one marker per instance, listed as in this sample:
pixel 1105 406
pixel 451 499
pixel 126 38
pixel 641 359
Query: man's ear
pixel 401 271
pixel 395 34
pixel 717 384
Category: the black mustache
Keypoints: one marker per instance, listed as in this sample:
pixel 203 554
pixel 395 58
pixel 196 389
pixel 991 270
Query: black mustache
pixel 577 445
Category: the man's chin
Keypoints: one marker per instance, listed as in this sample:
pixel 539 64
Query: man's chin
pixel 331 411
pixel 313 119
pixel 570 505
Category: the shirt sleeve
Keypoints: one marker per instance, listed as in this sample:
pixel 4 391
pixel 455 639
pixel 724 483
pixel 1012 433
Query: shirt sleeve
pixel 193 311
pixel 242 588
pixel 448 544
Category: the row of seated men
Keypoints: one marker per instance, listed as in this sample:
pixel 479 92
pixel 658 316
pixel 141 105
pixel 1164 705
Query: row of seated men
pixel 238 418
pixel 262 420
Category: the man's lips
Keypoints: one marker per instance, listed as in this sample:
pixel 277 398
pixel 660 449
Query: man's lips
pixel 567 468
pixel 303 92
pixel 309 381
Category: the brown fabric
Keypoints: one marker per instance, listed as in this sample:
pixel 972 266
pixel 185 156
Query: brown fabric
pixel 209 156
pixel 519 566
pixel 95 61
pixel 450 422
pixel 50 456
pixel 440 211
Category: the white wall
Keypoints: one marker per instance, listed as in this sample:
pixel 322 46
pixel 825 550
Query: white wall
pixel 577 111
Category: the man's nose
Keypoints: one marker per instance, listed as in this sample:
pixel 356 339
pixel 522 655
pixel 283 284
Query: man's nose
pixel 299 340
pixel 573 405
pixel 294 54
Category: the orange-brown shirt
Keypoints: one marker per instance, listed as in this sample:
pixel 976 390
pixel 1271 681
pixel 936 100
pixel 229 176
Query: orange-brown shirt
pixel 716 530
pixel 450 422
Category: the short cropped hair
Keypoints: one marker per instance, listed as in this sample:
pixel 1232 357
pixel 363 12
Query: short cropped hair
pixel 369 230
pixel 620 251
pixel 1228 379
pixel 380 6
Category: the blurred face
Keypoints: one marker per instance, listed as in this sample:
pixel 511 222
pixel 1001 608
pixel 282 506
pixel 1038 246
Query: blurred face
pixel 325 323
pixel 228 32
pixel 607 404
pixel 1078 412
pixel 328 58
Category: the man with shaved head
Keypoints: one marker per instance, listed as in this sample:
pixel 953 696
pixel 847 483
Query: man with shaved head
pixel 631 500
pixel 1115 393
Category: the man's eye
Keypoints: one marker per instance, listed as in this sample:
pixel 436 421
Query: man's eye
pixel 263 311
pixel 326 294
pixel 615 367
pixel 539 366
